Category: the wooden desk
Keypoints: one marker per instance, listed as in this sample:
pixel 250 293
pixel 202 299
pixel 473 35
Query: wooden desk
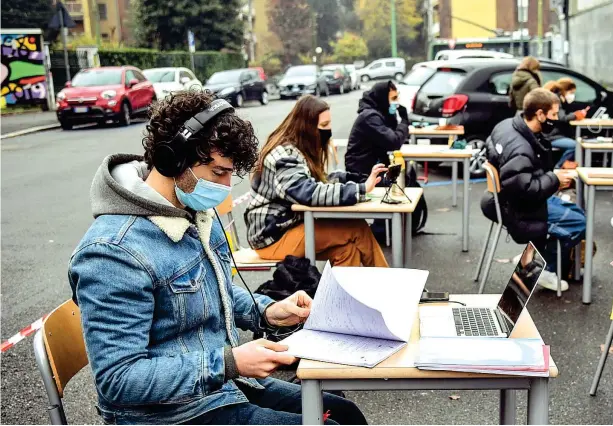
pixel 454 156
pixel 435 132
pixel 586 174
pixel 373 209
pixel 589 147
pixel 398 373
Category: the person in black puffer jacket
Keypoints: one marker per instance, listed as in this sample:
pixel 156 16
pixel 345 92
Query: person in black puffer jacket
pixel 376 131
pixel 528 182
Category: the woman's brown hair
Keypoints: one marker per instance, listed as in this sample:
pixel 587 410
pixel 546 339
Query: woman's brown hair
pixel 529 63
pixel 561 86
pixel 300 130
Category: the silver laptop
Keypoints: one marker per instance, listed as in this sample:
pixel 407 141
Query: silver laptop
pixel 457 321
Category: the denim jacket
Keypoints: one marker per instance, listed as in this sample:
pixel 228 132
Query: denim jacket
pixel 158 307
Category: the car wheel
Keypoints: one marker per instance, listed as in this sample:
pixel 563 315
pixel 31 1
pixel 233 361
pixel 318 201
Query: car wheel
pixel 398 76
pixel 238 101
pixel 365 79
pixel 479 157
pixel 66 125
pixel 264 98
pixel 125 118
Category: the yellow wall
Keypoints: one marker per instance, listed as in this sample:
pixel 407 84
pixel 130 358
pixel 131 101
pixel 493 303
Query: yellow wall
pixel 482 12
pixel 109 26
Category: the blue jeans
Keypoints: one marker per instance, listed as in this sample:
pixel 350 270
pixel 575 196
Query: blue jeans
pixel 566 223
pixel 568 146
pixel 278 404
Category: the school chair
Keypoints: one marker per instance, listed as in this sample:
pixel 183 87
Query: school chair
pixel 493 186
pixel 60 354
pixel 603 358
pixel 245 259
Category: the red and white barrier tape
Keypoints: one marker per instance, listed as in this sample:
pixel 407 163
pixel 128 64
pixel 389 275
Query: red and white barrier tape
pixel 7 344
pixel 239 200
pixel 22 334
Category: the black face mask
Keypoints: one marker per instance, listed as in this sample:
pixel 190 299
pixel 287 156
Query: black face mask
pixel 324 136
pixel 548 125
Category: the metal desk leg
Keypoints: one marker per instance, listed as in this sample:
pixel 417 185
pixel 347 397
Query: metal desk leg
pixel 578 133
pixel 588 157
pixel 589 242
pixel 466 209
pixel 312 403
pixel 413 139
pixel 579 160
pixel 408 244
pixel 309 236
pixel 508 406
pixel 454 183
pixel 538 401
pixel 397 240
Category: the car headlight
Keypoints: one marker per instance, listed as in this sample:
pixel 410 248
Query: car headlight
pixel 108 94
pixel 227 91
pixel 60 96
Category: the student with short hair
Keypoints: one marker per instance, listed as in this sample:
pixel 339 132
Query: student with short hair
pixel 523 158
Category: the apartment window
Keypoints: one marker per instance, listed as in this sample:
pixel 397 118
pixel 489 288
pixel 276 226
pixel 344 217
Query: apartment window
pixel 102 11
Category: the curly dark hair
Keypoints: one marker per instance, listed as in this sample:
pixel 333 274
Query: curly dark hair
pixel 227 134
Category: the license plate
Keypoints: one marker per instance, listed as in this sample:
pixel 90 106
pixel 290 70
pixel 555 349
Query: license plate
pixel 80 110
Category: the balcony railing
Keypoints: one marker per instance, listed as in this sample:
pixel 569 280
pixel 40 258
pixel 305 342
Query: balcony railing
pixel 74 8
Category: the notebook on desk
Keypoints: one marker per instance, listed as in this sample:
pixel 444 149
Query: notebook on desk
pixel 359 316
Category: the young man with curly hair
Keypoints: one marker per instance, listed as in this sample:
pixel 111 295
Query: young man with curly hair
pixel 152 277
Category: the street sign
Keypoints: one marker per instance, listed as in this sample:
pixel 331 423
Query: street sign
pixel 191 42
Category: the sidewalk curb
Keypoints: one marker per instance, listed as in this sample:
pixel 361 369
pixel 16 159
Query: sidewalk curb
pixel 30 130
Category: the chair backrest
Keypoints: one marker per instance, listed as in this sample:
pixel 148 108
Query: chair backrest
pixel 493 180
pixel 64 343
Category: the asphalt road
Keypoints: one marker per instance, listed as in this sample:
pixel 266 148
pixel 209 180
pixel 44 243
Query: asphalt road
pixel 45 211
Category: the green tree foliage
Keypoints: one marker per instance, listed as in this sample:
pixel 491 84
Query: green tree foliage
pixel 349 19
pixel 164 24
pixel 26 13
pixel 350 47
pixel 291 21
pixel 327 18
pixel 375 15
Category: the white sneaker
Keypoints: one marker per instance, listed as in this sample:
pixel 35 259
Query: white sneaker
pixel 549 280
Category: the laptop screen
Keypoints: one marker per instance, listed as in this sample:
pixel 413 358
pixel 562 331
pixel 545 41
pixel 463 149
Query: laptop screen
pixel 521 285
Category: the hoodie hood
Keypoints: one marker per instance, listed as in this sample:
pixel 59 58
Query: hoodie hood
pixel 376 98
pixel 119 188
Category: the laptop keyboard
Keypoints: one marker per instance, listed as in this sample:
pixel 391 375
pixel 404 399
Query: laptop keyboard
pixel 474 322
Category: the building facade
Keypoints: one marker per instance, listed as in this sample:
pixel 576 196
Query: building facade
pixel 108 18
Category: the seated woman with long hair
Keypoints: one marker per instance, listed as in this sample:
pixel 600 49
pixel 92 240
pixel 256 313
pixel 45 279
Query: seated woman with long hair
pixel 291 170
pixel 562 135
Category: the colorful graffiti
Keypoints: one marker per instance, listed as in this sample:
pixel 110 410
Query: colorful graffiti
pixel 22 70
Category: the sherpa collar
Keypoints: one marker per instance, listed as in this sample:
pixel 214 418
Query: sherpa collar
pixel 175 227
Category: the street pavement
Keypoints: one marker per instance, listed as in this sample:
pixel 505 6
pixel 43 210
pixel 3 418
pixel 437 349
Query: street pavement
pixel 45 211
pixel 19 122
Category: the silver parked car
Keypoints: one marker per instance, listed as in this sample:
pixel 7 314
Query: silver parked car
pixel 383 68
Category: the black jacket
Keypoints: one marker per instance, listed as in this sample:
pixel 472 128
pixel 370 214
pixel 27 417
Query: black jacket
pixel 563 128
pixel 374 133
pixel 524 163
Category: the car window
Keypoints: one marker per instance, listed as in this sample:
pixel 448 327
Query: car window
pixel 500 83
pixel 390 64
pixel 190 74
pixel 130 76
pixel 254 75
pixel 160 76
pixel 418 76
pixel 139 76
pixel 585 92
pixel 443 83
pixel 375 66
pixel 184 74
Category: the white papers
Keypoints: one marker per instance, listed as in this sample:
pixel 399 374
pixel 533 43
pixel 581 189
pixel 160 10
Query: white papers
pixel 341 348
pixel 359 312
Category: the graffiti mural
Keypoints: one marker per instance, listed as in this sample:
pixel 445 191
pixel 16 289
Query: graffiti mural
pixel 22 71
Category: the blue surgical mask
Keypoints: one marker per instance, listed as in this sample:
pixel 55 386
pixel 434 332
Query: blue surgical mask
pixel 206 195
pixel 393 108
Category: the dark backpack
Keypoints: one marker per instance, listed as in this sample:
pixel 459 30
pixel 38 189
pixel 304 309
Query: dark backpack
pixel 420 215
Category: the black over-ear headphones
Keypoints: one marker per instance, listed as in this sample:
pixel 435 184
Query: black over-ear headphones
pixel 169 157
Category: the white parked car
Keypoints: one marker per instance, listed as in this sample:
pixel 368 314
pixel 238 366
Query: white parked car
pixel 451 55
pixel 383 68
pixel 355 79
pixel 168 80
